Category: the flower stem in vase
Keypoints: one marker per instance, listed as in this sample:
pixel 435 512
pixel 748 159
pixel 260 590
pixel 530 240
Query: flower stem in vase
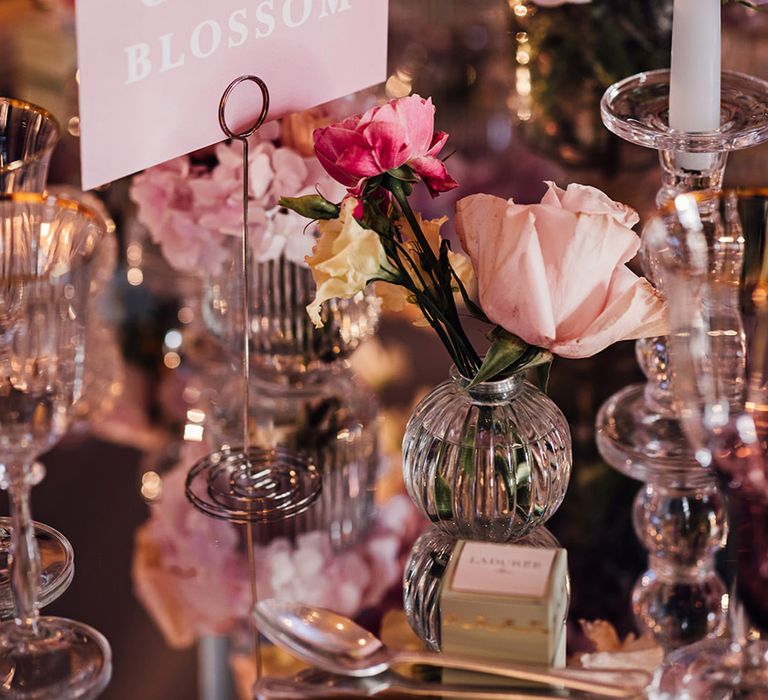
pixel 443 303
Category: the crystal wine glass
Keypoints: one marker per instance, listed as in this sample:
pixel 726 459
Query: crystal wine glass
pixel 28 135
pixel 47 251
pixel 710 254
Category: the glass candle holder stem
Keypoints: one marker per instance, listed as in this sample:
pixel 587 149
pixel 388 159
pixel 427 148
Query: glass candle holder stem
pixel 679 515
pixel 676 178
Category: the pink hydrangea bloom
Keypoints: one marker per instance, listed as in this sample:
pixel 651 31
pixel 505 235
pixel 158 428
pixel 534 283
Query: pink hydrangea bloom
pixel 193 210
pixel 190 571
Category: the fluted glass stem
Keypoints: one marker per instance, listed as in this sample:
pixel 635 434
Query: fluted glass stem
pixel 25 557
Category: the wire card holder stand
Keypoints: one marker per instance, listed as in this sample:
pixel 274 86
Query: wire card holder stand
pixel 251 485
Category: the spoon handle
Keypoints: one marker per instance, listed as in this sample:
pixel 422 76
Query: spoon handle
pixel 283 689
pixel 573 680
pixel 464 693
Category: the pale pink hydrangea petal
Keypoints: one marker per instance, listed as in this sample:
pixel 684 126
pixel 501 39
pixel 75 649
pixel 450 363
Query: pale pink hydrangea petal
pixel 291 173
pixel 261 172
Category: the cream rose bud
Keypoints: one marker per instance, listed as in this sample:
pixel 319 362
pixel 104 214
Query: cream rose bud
pixel 555 273
pixel 345 259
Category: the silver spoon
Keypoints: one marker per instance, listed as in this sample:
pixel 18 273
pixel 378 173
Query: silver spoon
pixel 335 643
pixel 313 683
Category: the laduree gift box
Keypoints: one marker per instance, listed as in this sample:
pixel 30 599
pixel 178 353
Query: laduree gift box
pixel 505 602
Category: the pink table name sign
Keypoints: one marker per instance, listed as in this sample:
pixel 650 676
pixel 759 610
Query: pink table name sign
pixel 152 72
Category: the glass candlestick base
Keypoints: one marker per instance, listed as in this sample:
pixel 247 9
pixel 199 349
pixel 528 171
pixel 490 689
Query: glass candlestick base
pixel 679 515
pixel 64 659
pixel 713 668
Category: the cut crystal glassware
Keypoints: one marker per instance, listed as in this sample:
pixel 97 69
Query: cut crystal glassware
pixel 487 462
pixel 330 416
pixel 28 135
pixel 303 395
pixel 47 251
pixel 710 253
pixel 282 335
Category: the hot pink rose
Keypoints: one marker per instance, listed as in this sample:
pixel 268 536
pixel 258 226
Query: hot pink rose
pixel 555 273
pixel 400 132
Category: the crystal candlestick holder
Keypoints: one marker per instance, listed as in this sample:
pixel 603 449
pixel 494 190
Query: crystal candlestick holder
pixel 679 514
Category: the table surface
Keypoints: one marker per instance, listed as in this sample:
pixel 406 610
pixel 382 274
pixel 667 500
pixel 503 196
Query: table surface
pixel 91 492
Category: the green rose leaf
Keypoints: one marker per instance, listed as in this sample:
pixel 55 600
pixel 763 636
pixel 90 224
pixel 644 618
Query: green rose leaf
pixel 313 206
pixel 505 350
pixel 509 355
pixel 538 359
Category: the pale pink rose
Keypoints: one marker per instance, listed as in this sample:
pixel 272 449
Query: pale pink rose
pixel 555 273
pixel 397 133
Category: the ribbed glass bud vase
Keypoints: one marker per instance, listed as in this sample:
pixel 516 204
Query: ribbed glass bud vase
pixel 424 572
pixel 491 462
pixel 282 335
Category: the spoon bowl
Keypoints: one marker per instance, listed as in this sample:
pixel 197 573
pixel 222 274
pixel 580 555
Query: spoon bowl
pixel 322 638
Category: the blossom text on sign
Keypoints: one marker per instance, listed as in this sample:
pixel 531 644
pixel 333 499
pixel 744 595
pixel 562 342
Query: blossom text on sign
pixel 152 72
pixel 209 36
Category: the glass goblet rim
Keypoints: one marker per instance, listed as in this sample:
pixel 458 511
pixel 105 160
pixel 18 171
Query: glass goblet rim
pixel 43 152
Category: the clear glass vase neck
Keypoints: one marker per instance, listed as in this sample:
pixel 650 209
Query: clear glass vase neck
pixel 491 392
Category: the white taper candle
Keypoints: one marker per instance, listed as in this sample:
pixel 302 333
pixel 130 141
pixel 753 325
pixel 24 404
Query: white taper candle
pixel 694 90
